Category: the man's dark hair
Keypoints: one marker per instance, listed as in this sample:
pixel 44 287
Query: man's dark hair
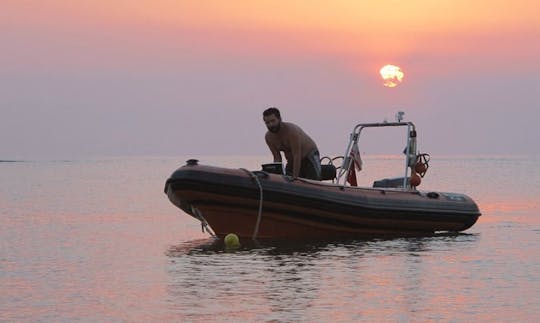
pixel 270 111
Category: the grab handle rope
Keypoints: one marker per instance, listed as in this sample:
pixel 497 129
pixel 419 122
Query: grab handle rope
pixel 259 214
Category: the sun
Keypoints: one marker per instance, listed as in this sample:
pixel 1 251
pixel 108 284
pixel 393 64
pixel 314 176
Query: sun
pixel 392 75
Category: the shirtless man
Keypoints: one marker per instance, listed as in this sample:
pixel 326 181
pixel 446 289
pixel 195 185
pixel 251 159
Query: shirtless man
pixel 300 150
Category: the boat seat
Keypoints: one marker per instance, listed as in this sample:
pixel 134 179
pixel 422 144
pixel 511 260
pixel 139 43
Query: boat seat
pixel 389 182
pixel 273 168
pixel 328 172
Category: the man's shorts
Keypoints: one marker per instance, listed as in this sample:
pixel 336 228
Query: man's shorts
pixel 310 167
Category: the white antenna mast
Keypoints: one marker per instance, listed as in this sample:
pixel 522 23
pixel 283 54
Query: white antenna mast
pixel 399 116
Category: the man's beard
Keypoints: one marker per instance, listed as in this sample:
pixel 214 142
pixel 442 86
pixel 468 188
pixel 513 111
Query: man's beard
pixel 275 128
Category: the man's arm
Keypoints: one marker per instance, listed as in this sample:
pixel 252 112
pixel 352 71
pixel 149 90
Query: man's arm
pixel 273 149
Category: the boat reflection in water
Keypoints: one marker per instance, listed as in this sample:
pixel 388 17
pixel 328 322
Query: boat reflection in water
pixel 283 281
pixel 211 246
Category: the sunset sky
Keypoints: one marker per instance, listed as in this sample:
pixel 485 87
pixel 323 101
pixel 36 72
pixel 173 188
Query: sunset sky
pixel 171 77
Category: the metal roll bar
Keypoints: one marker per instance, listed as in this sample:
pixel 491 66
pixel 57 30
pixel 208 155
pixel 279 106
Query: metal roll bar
pixel 355 136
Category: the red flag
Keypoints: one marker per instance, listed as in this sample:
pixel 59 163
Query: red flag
pixel 355 155
pixel 352 176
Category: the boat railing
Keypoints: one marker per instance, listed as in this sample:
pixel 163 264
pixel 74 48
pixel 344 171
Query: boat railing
pixel 349 156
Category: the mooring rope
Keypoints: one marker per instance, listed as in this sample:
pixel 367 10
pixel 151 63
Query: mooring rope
pixel 259 214
pixel 204 224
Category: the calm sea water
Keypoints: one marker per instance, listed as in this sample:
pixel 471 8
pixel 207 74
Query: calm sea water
pixel 97 240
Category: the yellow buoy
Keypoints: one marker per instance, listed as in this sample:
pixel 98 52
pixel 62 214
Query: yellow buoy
pixel 231 241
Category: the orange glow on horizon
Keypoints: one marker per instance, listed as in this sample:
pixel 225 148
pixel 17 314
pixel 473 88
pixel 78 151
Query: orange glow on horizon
pixel 348 31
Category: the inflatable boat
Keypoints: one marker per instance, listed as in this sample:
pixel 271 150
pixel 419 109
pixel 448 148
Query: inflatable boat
pixel 268 204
